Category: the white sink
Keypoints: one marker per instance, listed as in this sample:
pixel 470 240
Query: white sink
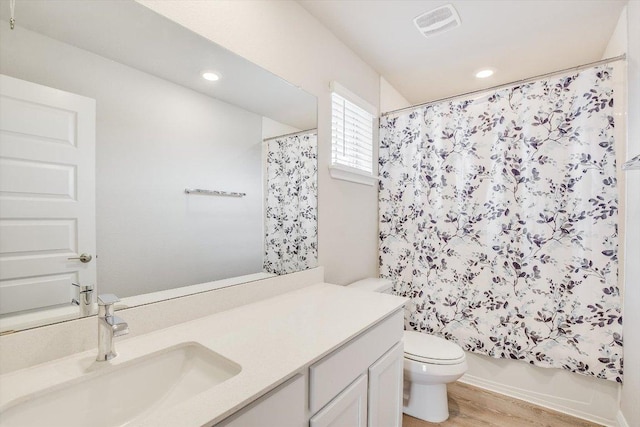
pixel 122 395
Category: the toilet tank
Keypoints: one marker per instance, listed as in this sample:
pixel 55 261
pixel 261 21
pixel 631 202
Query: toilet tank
pixel 381 285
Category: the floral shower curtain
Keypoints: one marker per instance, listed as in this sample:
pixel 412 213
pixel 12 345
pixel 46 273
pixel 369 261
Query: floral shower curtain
pixel 291 223
pixel 498 219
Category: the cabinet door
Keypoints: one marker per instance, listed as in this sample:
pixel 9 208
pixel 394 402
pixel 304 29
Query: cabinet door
pixel 334 373
pixel 385 389
pixel 283 407
pixel 348 409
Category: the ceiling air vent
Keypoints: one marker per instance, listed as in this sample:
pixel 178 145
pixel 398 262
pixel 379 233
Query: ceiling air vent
pixel 437 20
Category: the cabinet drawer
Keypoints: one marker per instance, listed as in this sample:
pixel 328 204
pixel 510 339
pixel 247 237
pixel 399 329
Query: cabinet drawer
pixel 332 374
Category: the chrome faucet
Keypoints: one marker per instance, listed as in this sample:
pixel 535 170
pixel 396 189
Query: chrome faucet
pixel 83 299
pixel 109 327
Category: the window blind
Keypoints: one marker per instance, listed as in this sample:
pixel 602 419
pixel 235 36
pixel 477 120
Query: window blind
pixel 351 135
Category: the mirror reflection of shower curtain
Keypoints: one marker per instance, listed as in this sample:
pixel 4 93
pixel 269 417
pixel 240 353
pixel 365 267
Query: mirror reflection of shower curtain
pixel 291 208
pixel 499 220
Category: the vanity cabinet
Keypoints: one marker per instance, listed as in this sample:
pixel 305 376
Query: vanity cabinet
pixel 360 384
pixel 372 400
pixel 357 385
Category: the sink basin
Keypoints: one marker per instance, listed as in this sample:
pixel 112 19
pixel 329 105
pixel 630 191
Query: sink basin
pixel 125 394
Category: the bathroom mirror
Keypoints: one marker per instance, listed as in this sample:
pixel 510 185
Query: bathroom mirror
pixel 162 132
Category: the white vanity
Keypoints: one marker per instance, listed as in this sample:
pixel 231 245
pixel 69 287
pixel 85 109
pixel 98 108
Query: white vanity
pixel 322 355
pixel 358 384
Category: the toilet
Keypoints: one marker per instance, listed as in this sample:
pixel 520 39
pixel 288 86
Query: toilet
pixel 430 363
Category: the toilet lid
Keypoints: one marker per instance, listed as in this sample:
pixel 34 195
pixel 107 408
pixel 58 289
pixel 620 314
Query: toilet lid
pixel 431 349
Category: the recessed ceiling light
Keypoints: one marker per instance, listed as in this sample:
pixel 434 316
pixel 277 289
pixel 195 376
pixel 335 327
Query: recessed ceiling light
pixel 483 74
pixel 212 77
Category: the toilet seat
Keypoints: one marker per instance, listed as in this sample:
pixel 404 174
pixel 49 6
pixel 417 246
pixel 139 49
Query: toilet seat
pixel 430 349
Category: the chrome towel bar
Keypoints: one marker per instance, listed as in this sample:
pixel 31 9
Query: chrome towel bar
pixel 213 192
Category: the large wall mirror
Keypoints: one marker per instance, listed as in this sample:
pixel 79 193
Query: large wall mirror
pixel 124 171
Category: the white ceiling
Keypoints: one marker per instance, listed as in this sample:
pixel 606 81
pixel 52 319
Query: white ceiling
pixel 519 39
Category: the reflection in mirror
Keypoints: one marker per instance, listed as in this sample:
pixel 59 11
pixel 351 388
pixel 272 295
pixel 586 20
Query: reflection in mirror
pixel 105 121
pixel 291 223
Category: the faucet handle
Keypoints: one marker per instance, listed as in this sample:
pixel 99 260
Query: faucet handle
pixel 107 299
pixel 83 294
pixel 83 298
pixel 82 288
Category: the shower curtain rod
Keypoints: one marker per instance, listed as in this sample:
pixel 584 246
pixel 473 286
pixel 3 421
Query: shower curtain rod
pixel 302 132
pixel 514 83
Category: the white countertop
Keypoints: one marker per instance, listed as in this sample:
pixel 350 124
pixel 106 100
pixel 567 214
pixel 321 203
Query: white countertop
pixel 272 340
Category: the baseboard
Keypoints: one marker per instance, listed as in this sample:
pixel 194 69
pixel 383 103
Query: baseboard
pixel 536 400
pixel 622 421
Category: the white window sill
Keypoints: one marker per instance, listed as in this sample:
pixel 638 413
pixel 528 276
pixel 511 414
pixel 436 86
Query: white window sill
pixel 352 175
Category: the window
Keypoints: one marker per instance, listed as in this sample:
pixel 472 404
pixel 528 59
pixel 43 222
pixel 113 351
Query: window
pixel 352 121
pixel 351 135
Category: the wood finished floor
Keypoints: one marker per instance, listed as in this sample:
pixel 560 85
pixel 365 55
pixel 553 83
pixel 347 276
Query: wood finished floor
pixel 474 407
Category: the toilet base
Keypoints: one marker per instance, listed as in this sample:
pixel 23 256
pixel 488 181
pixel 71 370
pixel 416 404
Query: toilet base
pixel 427 402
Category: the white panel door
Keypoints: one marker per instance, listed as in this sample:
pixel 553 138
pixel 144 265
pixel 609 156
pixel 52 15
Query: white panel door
pixel 47 194
pixel 385 389
pixel 348 409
